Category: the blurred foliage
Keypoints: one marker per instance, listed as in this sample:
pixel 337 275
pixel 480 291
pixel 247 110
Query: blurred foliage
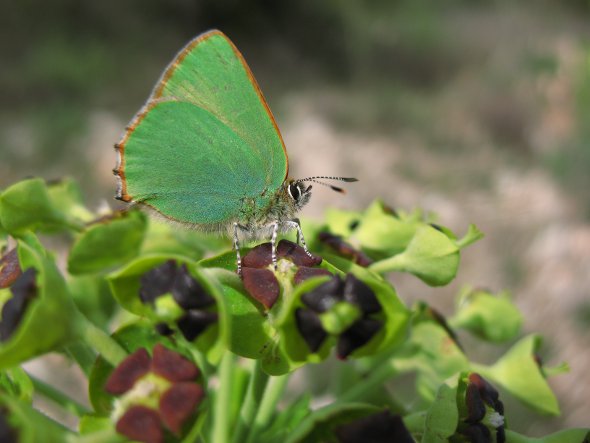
pixel 394 59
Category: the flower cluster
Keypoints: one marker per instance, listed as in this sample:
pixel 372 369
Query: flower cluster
pixel 188 293
pixel 342 307
pixel 260 280
pixel 23 288
pixel 485 411
pixel 154 393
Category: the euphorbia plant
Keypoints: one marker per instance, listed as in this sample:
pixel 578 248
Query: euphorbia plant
pixel 177 347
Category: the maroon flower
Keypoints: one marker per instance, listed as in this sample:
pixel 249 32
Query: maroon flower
pixel 154 393
pixel 188 293
pixel 23 289
pixel 260 280
pixel 9 268
pixel 485 412
pixel 323 297
pixel 344 249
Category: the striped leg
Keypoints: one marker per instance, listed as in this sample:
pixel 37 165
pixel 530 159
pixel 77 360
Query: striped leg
pixel 300 239
pixel 237 248
pixel 273 243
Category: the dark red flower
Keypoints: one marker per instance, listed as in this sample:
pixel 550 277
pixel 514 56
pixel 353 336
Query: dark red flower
pixel 485 412
pixel 344 249
pixel 142 424
pixel 9 268
pixel 130 370
pixel 189 294
pixel 323 297
pixel 261 282
pixel 169 377
pixel 23 289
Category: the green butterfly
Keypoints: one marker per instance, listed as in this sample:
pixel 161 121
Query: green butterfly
pixel 205 151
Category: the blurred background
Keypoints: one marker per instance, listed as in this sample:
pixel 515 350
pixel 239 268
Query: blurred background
pixel 476 110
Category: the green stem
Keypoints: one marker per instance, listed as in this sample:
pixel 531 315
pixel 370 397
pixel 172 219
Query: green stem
pixel 58 397
pixel 103 343
pixel 254 395
pixel 223 397
pixel 375 379
pixel 83 355
pixel 268 405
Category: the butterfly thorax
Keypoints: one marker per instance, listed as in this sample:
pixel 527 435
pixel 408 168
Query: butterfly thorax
pixel 258 215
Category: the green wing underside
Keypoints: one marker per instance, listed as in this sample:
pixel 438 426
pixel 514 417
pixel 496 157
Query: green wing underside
pixel 184 162
pixel 208 141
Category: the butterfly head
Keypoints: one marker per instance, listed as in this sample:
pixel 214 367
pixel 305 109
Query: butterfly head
pixel 299 193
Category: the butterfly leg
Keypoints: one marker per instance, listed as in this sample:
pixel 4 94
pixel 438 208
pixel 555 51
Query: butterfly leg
pixel 237 248
pixel 273 242
pixel 295 223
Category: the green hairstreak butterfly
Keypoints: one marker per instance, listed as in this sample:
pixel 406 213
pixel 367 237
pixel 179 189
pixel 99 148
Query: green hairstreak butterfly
pixel 206 152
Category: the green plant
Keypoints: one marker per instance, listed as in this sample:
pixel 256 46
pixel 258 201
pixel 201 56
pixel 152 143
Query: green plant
pixel 199 354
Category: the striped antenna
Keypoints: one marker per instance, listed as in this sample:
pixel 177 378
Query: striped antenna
pixel 334 188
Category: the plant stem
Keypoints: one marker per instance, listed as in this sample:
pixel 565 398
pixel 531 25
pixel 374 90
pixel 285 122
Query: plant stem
pixel 104 344
pixel 256 389
pixel 58 397
pixel 223 397
pixel 268 404
pixel 376 378
pixel 83 355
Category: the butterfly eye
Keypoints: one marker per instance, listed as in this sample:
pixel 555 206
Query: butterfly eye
pixel 294 191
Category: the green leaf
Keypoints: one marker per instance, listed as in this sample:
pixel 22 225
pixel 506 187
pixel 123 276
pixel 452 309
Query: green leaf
pixel 492 317
pixel 518 372
pixel 107 243
pixel 442 416
pixel 93 298
pixel 431 256
pixel 27 205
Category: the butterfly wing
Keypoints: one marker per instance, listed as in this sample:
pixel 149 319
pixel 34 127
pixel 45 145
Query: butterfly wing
pixel 205 141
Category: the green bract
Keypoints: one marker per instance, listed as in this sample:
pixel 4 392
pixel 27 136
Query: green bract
pixel 32 204
pixel 107 243
pixel 491 317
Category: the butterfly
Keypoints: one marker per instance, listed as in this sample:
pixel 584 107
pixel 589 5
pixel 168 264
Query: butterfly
pixel 205 150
